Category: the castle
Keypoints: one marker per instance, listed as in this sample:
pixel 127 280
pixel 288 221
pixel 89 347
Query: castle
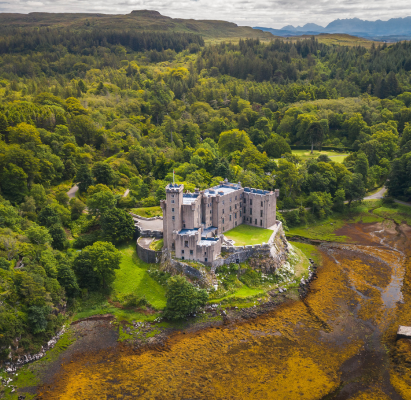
pixel 194 223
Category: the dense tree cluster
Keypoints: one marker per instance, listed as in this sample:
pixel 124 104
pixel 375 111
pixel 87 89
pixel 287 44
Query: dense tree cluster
pixel 114 111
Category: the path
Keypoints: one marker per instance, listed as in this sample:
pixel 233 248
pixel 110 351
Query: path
pixel 378 195
pixel 126 193
pixel 72 192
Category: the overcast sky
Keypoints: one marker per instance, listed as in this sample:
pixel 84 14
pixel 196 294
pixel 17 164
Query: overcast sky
pixel 268 13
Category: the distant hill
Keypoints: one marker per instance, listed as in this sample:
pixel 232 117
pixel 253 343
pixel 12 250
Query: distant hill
pixel 392 30
pixel 146 20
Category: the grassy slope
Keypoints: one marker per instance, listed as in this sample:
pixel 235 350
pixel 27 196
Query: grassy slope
pixel 338 39
pixel 245 235
pixel 306 155
pixel 132 277
pixel 137 20
pixel 369 212
pixel 148 212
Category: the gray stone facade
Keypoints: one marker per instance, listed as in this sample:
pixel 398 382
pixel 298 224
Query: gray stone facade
pixel 194 223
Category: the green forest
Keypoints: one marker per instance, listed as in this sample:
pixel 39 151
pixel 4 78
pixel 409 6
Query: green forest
pixel 116 109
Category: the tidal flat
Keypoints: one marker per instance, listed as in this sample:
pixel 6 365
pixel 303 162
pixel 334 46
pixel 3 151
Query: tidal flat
pixel 337 343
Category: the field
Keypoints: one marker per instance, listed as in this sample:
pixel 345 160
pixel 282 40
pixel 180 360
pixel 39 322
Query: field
pixel 132 277
pixel 338 39
pixel 148 212
pixel 245 235
pixel 334 156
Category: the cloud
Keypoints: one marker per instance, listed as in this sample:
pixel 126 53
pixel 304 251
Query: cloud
pixel 269 13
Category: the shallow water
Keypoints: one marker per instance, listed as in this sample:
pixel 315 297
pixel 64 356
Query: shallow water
pixel 330 344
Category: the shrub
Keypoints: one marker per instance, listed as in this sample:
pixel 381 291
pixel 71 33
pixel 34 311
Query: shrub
pixel 251 278
pixel 134 300
pixel 183 298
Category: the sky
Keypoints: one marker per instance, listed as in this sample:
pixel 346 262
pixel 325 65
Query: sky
pixel 266 13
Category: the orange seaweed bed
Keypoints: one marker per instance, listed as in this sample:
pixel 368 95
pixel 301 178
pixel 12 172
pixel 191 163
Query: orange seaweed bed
pixel 295 352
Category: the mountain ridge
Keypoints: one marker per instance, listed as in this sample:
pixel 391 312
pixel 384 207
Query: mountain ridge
pixel 352 26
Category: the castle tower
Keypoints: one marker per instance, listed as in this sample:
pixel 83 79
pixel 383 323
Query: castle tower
pixel 172 213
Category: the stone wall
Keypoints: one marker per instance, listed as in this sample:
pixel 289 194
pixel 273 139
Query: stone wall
pixel 147 255
pixel 148 233
pixel 145 219
pixel 239 254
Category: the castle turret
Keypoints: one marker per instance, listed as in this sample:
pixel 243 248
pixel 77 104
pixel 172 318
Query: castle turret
pixel 172 213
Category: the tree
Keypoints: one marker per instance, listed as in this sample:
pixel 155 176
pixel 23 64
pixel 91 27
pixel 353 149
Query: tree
pixel 59 236
pixel 103 173
pixel 84 178
pixel 48 216
pixel 24 134
pixel 14 183
pixel 276 146
pixel 83 129
pixel 315 133
pixel 39 195
pixel 39 235
pixel 103 259
pixel 354 188
pixel 339 199
pixel 233 140
pixel 100 202
pixel 320 203
pixel 117 225
pixel 76 207
pixel 183 299
pixel 67 278
pixel 37 317
pixel 361 166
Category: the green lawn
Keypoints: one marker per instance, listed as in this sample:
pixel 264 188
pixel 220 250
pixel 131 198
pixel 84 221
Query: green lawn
pixel 148 212
pixel 132 277
pixel 242 293
pixel 306 155
pixel 244 235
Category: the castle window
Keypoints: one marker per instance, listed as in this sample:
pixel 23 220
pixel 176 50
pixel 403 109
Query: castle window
pixel 184 225
pixel 251 211
pixel 173 217
pixel 240 213
pixel 261 222
pixel 172 209
pixel 230 208
pixel 172 201
pixel 251 202
pixel 223 220
pixel 236 197
pixel 172 196
pixel 223 210
pixel 186 243
pixel 182 258
pixel 223 229
pixel 235 206
pixel 256 222
pixel 262 204
pixel 235 223
pixel 182 251
pixel 223 202
pixel 205 253
pixel 205 260
pixel 210 211
pixel 261 213
pixel 230 217
pixel 244 210
pixel 211 218
pixel 235 215
pixel 191 252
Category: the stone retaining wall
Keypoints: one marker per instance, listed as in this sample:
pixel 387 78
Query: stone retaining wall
pixel 147 255
pixel 148 233
pixel 145 219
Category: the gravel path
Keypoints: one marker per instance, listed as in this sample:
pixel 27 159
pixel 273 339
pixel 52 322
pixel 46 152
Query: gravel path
pixel 72 192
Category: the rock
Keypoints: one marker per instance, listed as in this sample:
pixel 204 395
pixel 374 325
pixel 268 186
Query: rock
pixel 404 332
